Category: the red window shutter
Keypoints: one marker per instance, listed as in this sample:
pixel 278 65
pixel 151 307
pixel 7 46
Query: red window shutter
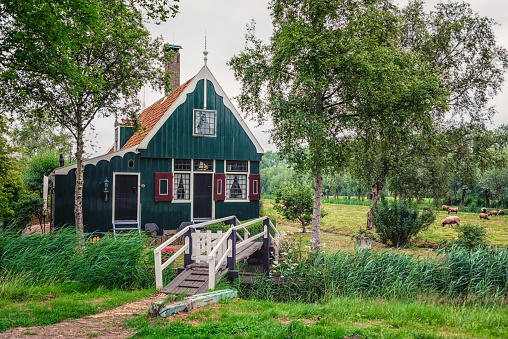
pixel 163 182
pixel 255 187
pixel 219 190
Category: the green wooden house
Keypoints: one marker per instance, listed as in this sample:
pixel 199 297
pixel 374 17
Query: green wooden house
pixel 194 159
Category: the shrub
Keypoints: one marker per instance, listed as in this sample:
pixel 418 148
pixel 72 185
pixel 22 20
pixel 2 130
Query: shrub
pixel 471 236
pixel 29 206
pixel 397 222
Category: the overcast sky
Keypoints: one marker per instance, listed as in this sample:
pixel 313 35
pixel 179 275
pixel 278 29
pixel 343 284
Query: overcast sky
pixel 225 24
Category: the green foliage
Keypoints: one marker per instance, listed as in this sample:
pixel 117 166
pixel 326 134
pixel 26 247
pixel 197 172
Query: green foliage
pixel 64 256
pixel 38 134
pixel 477 276
pixel 41 164
pixel 471 236
pixel 29 206
pixel 294 201
pixel 397 222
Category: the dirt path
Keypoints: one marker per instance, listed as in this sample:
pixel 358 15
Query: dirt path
pixel 108 324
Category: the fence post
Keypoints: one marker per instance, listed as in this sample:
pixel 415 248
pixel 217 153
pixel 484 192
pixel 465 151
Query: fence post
pixel 188 253
pixel 233 272
pixel 266 246
pixel 158 271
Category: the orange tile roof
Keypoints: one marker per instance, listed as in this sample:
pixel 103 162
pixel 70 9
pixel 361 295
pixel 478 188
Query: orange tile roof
pixel 111 149
pixel 151 115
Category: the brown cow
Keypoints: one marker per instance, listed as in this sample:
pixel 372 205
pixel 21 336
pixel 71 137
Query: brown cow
pixel 445 207
pixel 493 212
pixel 484 216
pixel 501 212
pixel 426 208
pixel 453 209
pixel 451 220
pixel 484 209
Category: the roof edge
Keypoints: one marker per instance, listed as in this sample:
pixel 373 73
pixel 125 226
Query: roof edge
pixel 183 97
pixel 94 161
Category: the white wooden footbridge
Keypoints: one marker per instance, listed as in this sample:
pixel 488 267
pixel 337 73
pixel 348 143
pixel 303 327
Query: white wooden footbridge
pixel 208 256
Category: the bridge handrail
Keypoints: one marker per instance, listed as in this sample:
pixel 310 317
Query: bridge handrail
pixel 159 266
pixel 214 252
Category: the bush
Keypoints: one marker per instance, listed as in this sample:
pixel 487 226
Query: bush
pixel 397 222
pixel 471 236
pixel 28 206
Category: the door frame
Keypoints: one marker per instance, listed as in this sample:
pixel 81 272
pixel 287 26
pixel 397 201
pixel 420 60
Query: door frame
pixel 211 191
pixel 114 190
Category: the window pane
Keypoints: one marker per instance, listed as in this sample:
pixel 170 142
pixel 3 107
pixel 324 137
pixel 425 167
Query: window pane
pixel 182 165
pixel 163 186
pixel 237 166
pixel 219 187
pixel 181 186
pixel 204 122
pixel 203 165
pixel 237 186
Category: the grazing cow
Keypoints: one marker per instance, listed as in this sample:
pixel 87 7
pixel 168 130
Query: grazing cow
pixel 445 207
pixel 451 220
pixel 493 212
pixel 484 209
pixel 453 209
pixel 426 208
pixel 484 216
pixel 501 212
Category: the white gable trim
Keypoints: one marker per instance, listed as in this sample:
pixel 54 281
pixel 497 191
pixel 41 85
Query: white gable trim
pixel 94 161
pixel 183 97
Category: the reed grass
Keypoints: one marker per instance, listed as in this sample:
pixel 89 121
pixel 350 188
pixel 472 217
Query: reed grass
pixel 479 276
pixel 64 256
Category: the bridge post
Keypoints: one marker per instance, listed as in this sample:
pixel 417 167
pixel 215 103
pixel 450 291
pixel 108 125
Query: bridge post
pixel 187 258
pixel 266 246
pixel 232 271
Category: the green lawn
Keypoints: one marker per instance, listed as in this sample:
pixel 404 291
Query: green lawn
pixel 346 219
pixel 345 317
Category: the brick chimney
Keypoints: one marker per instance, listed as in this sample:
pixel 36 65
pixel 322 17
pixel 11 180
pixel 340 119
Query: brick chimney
pixel 173 65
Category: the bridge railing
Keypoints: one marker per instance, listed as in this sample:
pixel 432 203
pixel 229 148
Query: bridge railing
pixel 227 246
pixel 186 249
pixel 215 248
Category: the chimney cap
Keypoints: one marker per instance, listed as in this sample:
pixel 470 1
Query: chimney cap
pixel 172 47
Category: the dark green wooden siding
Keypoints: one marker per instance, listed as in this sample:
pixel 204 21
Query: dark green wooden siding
pixel 175 138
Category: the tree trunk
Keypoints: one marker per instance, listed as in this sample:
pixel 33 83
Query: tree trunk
pixel 502 202
pixel 376 195
pixel 78 191
pixel 316 213
pixel 302 221
pixel 462 197
pixel 487 198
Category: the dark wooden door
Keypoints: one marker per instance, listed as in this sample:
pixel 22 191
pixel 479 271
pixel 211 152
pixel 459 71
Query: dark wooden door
pixel 202 202
pixel 126 197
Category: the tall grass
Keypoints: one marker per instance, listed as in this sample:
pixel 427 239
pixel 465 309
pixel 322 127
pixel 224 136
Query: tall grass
pixel 480 275
pixel 63 256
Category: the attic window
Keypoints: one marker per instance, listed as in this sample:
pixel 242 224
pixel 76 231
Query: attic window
pixel 131 163
pixel 205 122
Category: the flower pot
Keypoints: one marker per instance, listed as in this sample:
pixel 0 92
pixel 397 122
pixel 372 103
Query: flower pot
pixel 363 242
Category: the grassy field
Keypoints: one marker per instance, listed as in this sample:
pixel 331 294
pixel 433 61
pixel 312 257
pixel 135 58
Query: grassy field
pixel 346 219
pixel 346 317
